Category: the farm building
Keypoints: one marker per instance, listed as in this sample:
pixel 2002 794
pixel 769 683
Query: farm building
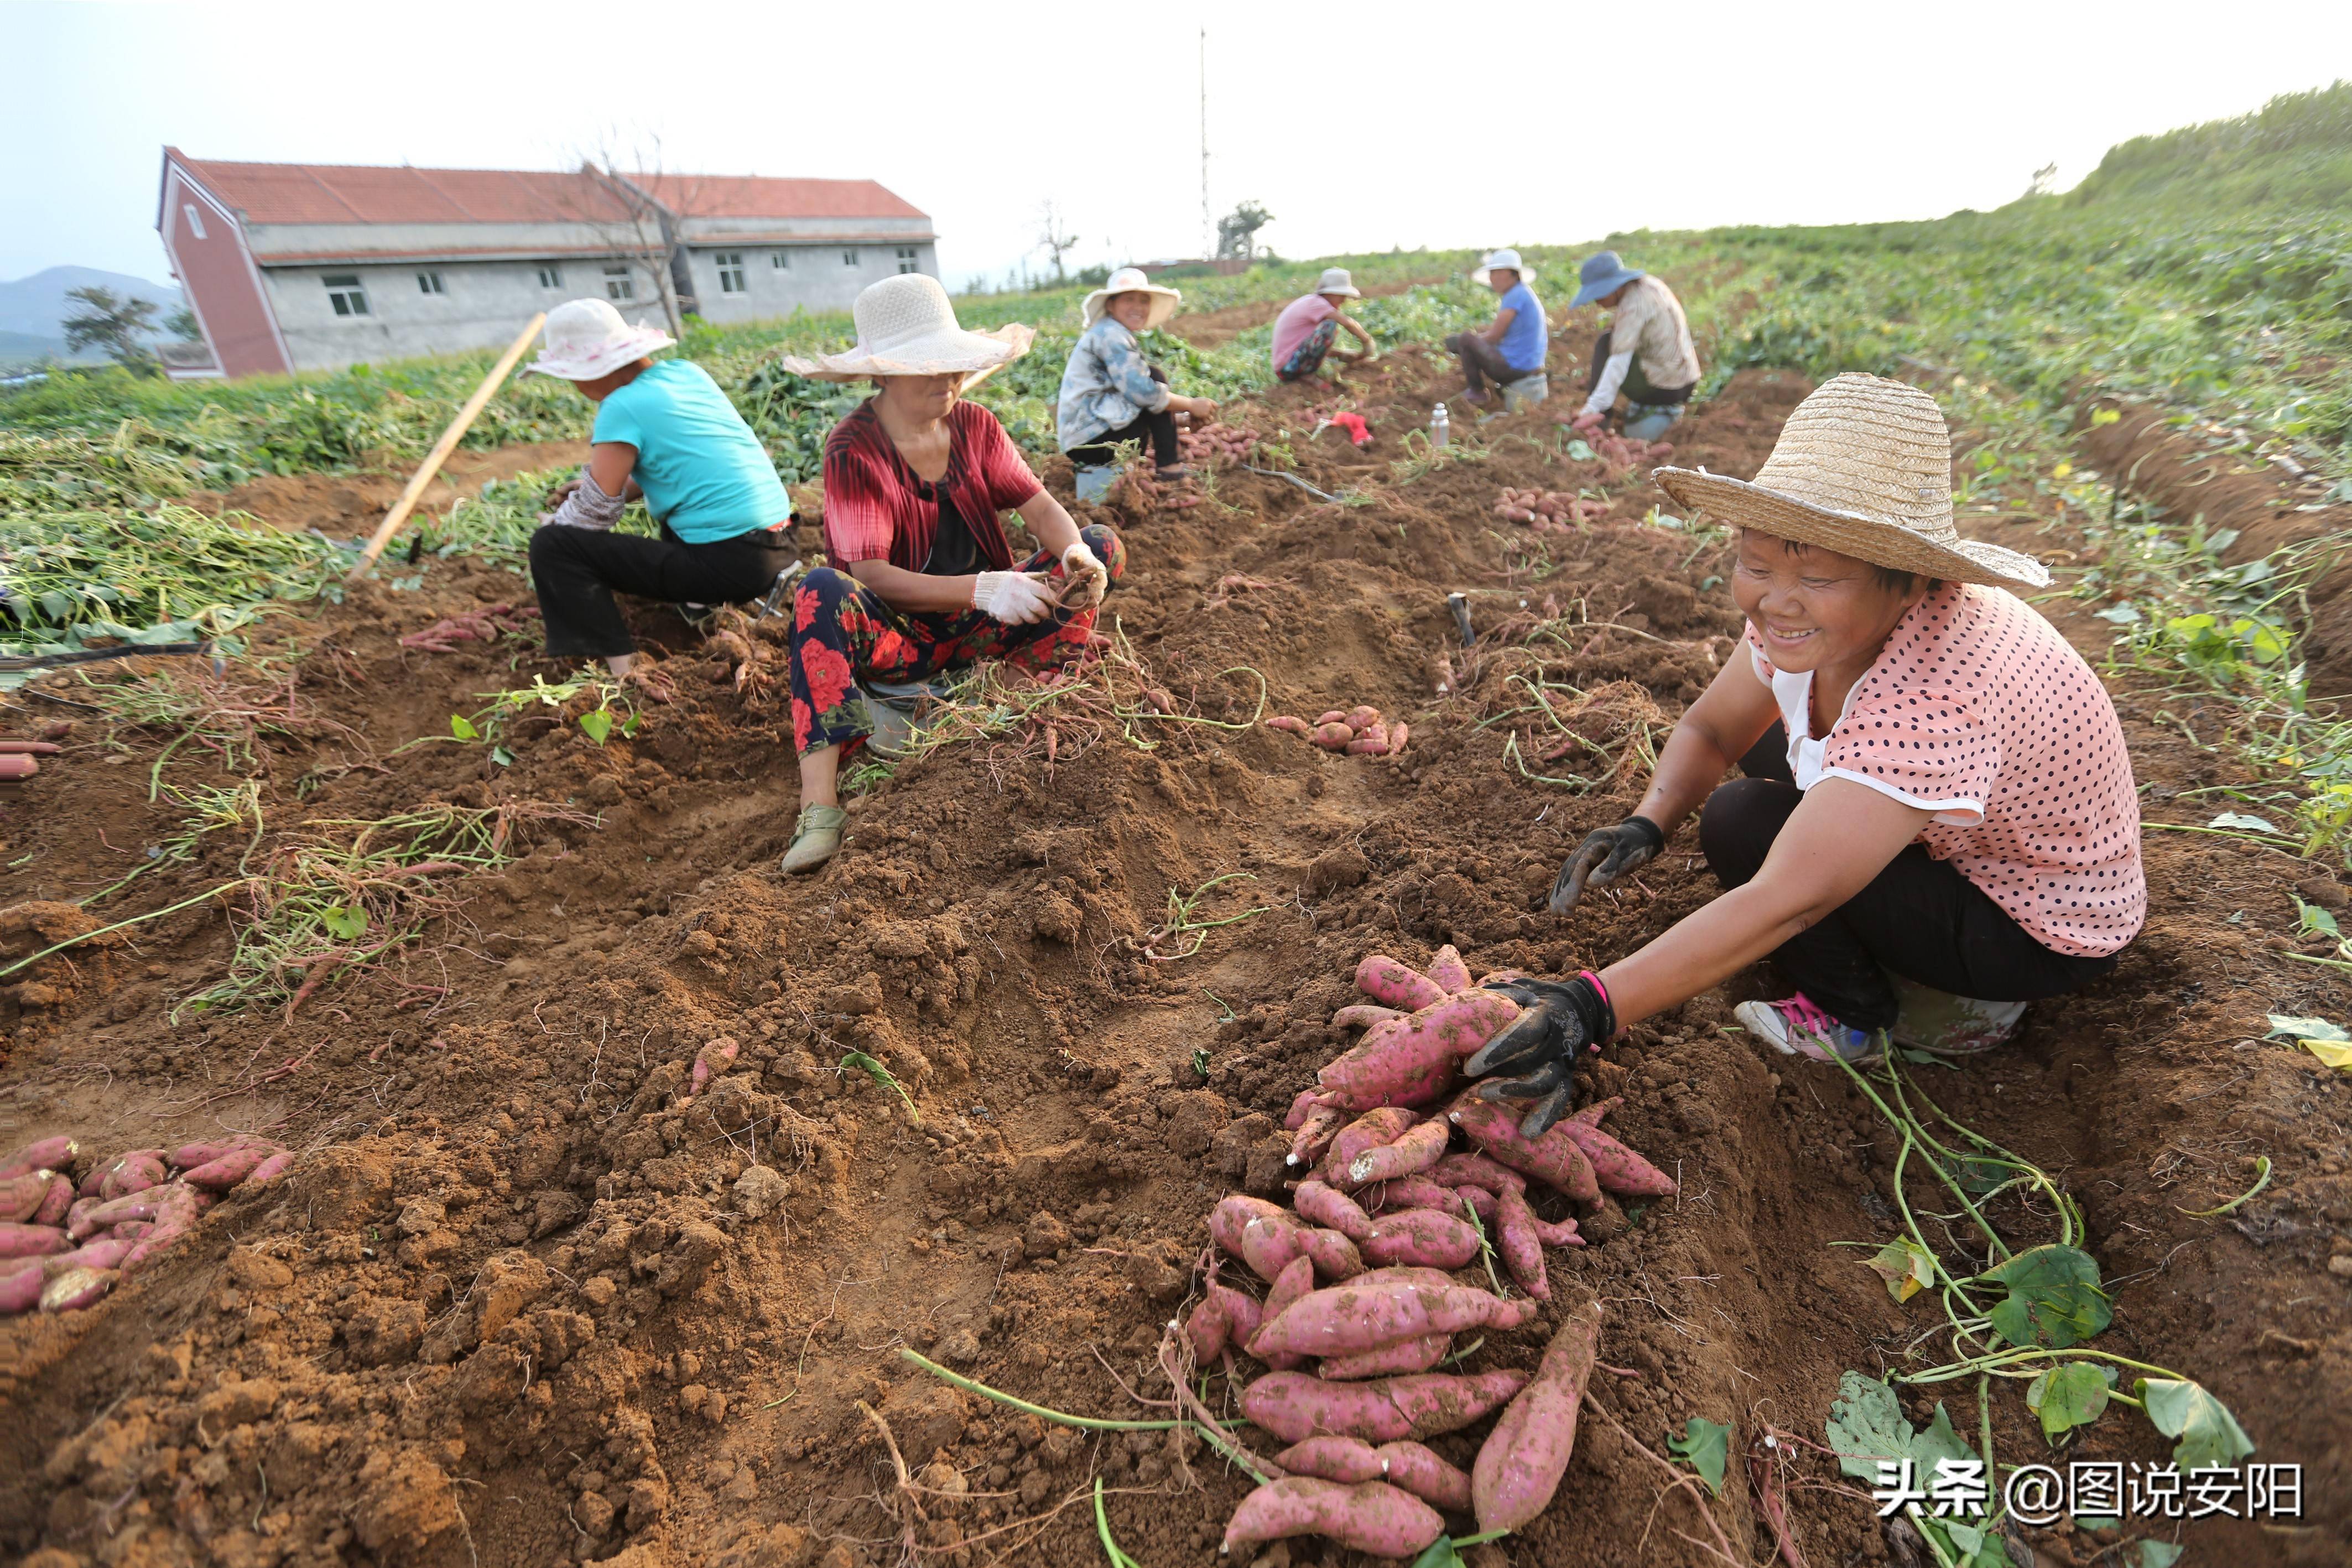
pixel 295 267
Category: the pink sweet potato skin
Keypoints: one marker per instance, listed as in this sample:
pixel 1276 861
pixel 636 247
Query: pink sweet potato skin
pixel 1388 1361
pixel 1206 1330
pixel 1418 1469
pixel 41 1155
pixel 1551 1159
pixel 1619 1170
pixel 1416 1192
pixel 1446 967
pixel 21 1196
pixel 1364 1015
pixel 1374 1518
pixel 1296 1281
pixel 1416 1149
pixel 1350 1462
pixel 1334 1210
pixel 58 1204
pixel 1418 1059
pixel 220 1175
pixel 1396 985
pixel 1268 1238
pixel 1427 1237
pixel 1381 1308
pixel 1295 1407
pixel 133 1172
pixel 1563 1234
pixel 1521 1247
pixel 1519 1465
pixel 75 1288
pixel 268 1171
pixel 105 1254
pixel 20 1286
pixel 1300 1109
pixel 30 1241
pixel 1369 1131
pixel 1315 1132
pixel 1475 1170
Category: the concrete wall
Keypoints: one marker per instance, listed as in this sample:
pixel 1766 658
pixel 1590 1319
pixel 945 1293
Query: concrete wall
pixel 483 304
pixel 816 277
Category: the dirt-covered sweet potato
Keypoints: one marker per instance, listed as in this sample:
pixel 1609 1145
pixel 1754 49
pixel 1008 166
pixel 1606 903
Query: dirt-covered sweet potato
pixel 1522 1250
pixel 188 1156
pixel 1619 1170
pixel 1301 1107
pixel 41 1155
pixel 21 1196
pixel 1519 1465
pixel 268 1171
pixel 1297 1280
pixel 1361 717
pixel 1333 737
pixel 1268 1238
pixel 1290 723
pixel 1419 1471
pixel 1295 1407
pixel 1326 1205
pixel 1427 1238
pixel 20 1285
pixel 1446 967
pixel 1372 1517
pixel 1562 1233
pixel 1396 985
pixel 1348 1460
pixel 1415 1149
pixel 135 1170
pixel 75 1288
pixel 1413 1192
pixel 1552 1158
pixel 1416 1060
pixel 18 1241
pixel 107 1252
pixel 1369 1131
pixel 1475 1170
pixel 59 1202
pixel 1388 1361
pixel 1223 1317
pixel 1383 1307
pixel 1364 1015
pixel 146 1205
pixel 220 1175
pixel 715 1057
pixel 1312 1138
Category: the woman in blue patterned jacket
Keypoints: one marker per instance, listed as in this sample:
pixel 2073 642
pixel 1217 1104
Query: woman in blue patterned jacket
pixel 1109 393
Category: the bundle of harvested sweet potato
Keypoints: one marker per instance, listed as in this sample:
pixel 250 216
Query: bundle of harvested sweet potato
pixel 64 1243
pixel 1230 441
pixel 1548 507
pixel 1360 731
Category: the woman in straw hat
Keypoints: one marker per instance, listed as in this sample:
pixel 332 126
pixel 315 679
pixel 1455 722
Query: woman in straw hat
pixel 666 433
pixel 1110 393
pixel 1937 824
pixel 1511 346
pixel 923 576
pixel 1309 325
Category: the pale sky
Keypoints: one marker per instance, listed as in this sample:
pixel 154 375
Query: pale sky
pixel 1360 126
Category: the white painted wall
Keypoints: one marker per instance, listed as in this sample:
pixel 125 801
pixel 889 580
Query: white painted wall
pixel 483 306
pixel 816 276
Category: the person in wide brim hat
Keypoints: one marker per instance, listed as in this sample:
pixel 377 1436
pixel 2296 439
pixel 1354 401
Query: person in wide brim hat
pixel 1512 346
pixel 1308 326
pixel 1645 352
pixel 1111 394
pixel 921 576
pixel 1937 824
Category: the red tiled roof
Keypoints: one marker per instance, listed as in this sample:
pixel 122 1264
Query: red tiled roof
pixel 753 196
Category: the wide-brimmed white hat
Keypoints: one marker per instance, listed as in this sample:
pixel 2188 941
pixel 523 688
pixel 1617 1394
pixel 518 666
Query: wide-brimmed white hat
pixel 1335 280
pixel 1862 467
pixel 587 338
pixel 905 327
pixel 1506 257
pixel 1131 280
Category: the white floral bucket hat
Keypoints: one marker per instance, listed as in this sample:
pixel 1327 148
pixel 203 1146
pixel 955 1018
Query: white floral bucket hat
pixel 906 327
pixel 586 339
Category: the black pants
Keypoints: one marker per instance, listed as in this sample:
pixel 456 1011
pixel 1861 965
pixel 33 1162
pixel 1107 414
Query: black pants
pixel 1483 362
pixel 1919 917
pixel 1156 431
pixel 1636 387
pixel 576 571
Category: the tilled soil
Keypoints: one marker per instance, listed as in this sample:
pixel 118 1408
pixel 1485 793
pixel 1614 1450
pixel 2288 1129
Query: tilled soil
pixel 524 1301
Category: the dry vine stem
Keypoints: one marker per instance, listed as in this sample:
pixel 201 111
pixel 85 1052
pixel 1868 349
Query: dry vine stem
pixel 905 1481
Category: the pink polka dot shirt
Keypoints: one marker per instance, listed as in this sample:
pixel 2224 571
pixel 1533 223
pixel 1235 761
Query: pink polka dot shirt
pixel 1979 710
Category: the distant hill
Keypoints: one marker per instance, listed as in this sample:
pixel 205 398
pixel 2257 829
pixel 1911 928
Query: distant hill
pixel 31 308
pixel 2295 152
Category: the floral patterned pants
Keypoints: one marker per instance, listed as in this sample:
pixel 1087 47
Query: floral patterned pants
pixel 844 633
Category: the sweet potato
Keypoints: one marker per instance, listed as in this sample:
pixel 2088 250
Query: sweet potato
pixel 58 1204
pixel 1334 1210
pixel 1563 1234
pixel 20 1287
pixel 1417 1469
pixel 1396 985
pixel 41 1155
pixel 220 1175
pixel 1315 1134
pixel 1224 1317
pixel 1427 1237
pixel 21 1196
pixel 1369 1131
pixel 1362 716
pixel 130 1229
pixel 147 1205
pixel 1414 1150
pixel 268 1171
pixel 1297 1279
pixel 1368 744
pixel 1417 1060
pixel 1475 1170
pixel 1332 715
pixel 1300 1109
pixel 1397 736
pixel 17 1240
pixel 79 1207
pixel 1618 1168
pixel 715 1057
pixel 1268 1239
pixel 1552 1158
pixel 1519 1465
pixel 1413 1192
pixel 1348 1460
pixel 1372 1518
pixel 1446 967
pixel 1387 1361
pixel 1334 737
pixel 133 1172
pixel 188 1156
pixel 1363 1014
pixel 148 1247
pixel 1294 1406
pixel 1289 724
pixel 1522 1250
pixel 1384 1307
pixel 76 1289
pixel 108 1253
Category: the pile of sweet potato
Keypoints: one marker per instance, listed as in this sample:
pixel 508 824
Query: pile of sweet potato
pixel 1359 1284
pixel 1360 731
pixel 1543 507
pixel 1230 441
pixel 64 1243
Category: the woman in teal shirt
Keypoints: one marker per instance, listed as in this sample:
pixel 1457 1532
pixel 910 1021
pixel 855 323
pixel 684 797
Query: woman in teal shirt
pixel 666 433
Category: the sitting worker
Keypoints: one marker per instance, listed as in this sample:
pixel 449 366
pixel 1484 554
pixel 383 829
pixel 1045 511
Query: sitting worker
pixel 1109 393
pixel 1939 824
pixel 665 431
pixel 1645 352
pixel 1309 325
pixel 1513 345
pixel 923 576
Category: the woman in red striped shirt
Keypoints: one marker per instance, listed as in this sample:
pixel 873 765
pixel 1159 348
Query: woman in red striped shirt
pixel 923 577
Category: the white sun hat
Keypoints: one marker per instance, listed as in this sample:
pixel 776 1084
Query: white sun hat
pixel 905 327
pixel 1335 280
pixel 587 338
pixel 1863 468
pixel 1504 258
pixel 1131 280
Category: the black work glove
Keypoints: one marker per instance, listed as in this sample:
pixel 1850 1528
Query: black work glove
pixel 1538 1054
pixel 1605 856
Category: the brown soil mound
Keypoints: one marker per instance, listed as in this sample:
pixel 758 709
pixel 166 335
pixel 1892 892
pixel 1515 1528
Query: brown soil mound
pixel 523 1301
pixel 350 504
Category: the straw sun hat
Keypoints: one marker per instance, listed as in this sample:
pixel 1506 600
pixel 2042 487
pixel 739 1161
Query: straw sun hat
pixel 1131 280
pixel 586 339
pixel 905 327
pixel 1862 467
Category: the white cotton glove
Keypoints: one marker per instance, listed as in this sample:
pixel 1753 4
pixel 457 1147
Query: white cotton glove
pixel 1014 598
pixel 1089 580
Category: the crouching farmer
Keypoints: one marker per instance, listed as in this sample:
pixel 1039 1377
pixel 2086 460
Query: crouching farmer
pixel 924 578
pixel 666 433
pixel 1310 324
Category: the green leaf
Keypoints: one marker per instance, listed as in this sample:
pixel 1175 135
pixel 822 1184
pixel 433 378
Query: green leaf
pixel 1704 1446
pixel 1905 1266
pixel 463 728
pixel 2308 1028
pixel 2244 822
pixel 1580 452
pixel 2209 1434
pixel 1866 1425
pixel 343 921
pixel 2069 1396
pixel 2160 1553
pixel 1441 1554
pixel 597 723
pixel 2055 1299
pixel 501 755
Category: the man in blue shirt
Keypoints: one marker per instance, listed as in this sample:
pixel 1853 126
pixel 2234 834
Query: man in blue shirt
pixel 1514 343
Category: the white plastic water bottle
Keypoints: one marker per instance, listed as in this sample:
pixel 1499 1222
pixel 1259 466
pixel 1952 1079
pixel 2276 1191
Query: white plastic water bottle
pixel 1439 429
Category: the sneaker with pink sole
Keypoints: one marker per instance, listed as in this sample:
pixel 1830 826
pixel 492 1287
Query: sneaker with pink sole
pixel 1796 1026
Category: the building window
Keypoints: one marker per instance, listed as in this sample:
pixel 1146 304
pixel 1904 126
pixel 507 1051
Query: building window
pixel 849 258
pixel 430 283
pixel 730 271
pixel 343 292
pixel 550 277
pixel 906 258
pixel 196 220
pixel 618 285
pixel 781 260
